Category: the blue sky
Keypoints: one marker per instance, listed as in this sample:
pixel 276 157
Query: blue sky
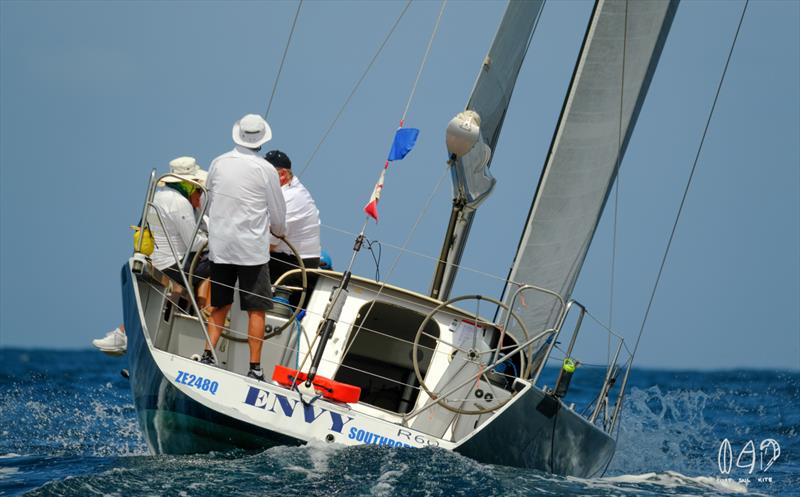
pixel 93 95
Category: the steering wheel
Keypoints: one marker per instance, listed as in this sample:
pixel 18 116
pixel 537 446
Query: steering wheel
pixel 302 289
pixel 471 355
pixel 195 261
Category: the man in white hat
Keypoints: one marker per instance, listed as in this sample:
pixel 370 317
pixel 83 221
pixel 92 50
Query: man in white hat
pixel 246 203
pixel 175 201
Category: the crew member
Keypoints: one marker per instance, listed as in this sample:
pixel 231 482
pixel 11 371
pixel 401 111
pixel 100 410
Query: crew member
pixel 245 203
pixel 302 221
pixel 175 201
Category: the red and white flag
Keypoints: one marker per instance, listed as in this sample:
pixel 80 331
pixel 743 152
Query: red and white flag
pixel 371 209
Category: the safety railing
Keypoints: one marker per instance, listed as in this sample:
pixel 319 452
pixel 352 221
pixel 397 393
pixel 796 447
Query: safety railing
pixel 179 261
pixel 496 359
pixel 508 353
pixel 601 402
pixel 518 293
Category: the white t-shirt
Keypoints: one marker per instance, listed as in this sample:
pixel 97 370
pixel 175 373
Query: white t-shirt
pixel 179 221
pixel 302 221
pixel 245 203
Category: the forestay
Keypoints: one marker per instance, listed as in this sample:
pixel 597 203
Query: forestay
pixel 618 58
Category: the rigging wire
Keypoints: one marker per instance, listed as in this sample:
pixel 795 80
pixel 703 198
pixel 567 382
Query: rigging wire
pixel 613 263
pixel 399 255
pixel 403 248
pixel 424 61
pixel 689 180
pixel 616 183
pixel 615 421
pixel 425 256
pixel 433 193
pixel 355 88
pixel 283 59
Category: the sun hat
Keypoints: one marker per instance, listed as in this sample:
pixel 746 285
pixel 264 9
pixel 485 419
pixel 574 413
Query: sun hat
pixel 185 168
pixel 278 159
pixel 251 131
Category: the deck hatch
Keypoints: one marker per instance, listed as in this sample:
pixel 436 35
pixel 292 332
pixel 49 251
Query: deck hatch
pixel 380 363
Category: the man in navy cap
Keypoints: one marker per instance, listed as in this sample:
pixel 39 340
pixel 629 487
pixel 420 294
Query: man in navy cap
pixel 302 221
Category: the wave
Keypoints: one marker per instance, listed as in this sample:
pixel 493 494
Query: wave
pixel 359 471
pixel 674 481
pixel 43 418
pixel 72 430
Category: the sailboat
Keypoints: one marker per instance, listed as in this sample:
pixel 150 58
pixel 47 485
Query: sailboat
pixel 358 361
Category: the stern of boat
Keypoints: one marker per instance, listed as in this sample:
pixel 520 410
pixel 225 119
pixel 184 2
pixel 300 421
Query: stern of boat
pixel 171 421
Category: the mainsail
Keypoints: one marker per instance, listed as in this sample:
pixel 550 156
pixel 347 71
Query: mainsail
pixel 489 99
pixel 619 55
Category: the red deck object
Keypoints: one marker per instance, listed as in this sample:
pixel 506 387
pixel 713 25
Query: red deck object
pixel 334 390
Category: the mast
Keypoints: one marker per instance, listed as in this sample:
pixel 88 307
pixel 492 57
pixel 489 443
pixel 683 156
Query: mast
pixel 473 134
pixel 619 55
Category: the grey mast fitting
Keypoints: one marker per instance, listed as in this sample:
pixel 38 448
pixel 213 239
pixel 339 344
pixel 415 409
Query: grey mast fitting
pixel 480 126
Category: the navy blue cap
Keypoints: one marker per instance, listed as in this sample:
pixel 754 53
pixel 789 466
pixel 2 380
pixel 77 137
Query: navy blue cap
pixel 278 159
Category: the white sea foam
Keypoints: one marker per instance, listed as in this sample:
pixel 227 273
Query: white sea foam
pixel 666 483
pixel 315 452
pixel 656 429
pixel 7 472
pixel 97 424
pixel 672 479
pixel 385 485
pixel 320 453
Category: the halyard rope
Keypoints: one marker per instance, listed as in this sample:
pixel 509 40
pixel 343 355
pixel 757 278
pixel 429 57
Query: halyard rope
pixel 355 88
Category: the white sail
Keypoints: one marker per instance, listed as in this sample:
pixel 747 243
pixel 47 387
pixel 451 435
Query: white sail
pixel 620 51
pixel 495 83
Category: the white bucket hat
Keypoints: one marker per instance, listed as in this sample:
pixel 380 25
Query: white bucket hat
pixel 251 131
pixel 185 168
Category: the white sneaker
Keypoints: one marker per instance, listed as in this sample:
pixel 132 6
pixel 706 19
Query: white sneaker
pixel 115 342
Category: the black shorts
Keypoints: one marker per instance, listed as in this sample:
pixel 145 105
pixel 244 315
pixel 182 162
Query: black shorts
pixel 201 271
pixel 255 289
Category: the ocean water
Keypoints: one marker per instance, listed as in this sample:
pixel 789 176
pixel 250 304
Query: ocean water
pixel 68 427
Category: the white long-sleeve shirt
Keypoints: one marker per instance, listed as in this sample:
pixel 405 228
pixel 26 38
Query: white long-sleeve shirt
pixel 179 221
pixel 246 202
pixel 302 221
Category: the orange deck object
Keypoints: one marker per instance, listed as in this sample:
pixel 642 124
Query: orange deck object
pixel 334 390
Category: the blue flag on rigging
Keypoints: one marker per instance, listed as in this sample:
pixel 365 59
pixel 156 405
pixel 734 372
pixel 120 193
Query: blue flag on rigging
pixel 404 141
